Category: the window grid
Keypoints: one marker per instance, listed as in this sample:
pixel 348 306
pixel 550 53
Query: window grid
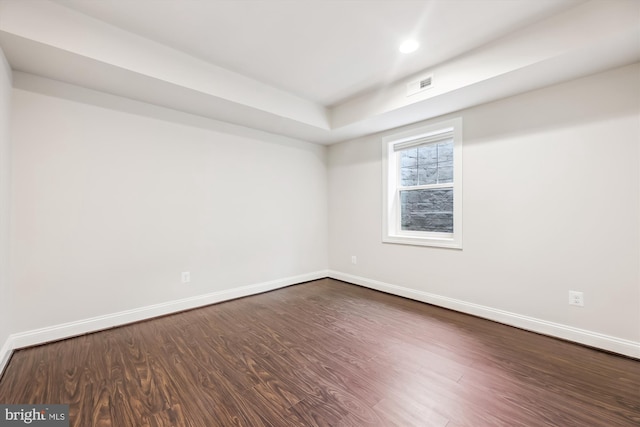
pixel 431 187
pixel 425 187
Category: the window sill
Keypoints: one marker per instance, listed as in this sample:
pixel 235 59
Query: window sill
pixel 438 242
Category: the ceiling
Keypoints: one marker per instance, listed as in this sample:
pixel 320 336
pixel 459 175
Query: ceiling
pixel 317 70
pixel 324 51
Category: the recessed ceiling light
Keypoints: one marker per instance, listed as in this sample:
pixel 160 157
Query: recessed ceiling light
pixel 408 46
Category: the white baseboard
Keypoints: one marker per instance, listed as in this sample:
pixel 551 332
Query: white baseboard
pixel 98 323
pixel 570 333
pixel 5 354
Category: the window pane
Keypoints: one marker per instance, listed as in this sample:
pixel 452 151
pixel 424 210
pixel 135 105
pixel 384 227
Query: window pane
pixel 409 176
pixel 409 167
pixel 445 174
pixel 427 164
pixel 427 175
pixel 428 155
pixel 427 210
pixel 445 151
pixel 445 162
pixel 408 158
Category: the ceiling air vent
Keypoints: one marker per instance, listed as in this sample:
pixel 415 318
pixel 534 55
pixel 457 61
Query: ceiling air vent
pixel 416 86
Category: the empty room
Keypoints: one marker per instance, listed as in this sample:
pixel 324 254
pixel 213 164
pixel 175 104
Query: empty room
pixel 319 213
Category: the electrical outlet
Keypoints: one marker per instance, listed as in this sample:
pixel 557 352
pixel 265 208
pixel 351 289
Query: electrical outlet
pixel 354 259
pixel 576 298
pixel 186 277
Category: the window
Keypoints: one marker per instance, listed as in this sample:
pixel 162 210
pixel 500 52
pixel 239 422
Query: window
pixel 423 186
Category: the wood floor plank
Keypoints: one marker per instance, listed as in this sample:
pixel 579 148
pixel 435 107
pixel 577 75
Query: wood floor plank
pixel 325 353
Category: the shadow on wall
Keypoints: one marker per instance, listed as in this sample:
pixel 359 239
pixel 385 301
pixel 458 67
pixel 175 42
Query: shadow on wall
pixel 554 107
pixel 74 93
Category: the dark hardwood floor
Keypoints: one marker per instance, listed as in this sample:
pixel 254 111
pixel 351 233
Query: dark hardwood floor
pixel 325 353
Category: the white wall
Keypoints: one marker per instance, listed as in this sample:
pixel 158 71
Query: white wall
pixel 551 203
pixel 110 207
pixel 5 104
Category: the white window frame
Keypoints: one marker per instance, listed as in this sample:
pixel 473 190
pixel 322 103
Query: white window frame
pixel 391 228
